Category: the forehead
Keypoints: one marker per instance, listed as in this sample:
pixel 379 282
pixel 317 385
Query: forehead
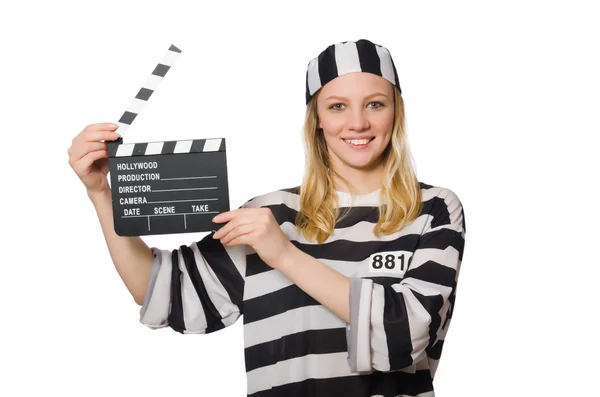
pixel 356 84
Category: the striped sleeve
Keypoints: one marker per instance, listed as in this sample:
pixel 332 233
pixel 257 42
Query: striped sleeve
pixel 392 327
pixel 197 288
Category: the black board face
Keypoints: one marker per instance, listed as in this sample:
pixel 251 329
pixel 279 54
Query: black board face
pixel 168 187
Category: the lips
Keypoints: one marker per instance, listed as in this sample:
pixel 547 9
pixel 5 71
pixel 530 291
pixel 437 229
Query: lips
pixel 364 142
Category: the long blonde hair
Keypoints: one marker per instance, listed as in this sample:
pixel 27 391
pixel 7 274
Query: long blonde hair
pixel 400 197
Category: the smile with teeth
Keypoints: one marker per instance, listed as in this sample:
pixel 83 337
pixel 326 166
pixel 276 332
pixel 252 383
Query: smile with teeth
pixel 358 142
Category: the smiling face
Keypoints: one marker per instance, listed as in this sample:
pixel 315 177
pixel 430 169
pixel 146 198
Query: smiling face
pixel 356 113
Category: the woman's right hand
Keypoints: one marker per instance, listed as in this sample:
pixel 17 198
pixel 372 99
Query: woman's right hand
pixel 88 156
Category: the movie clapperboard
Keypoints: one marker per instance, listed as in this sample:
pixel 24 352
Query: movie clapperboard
pixel 165 187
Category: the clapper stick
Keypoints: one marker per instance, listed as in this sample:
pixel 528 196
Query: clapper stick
pixel 165 187
pixel 147 89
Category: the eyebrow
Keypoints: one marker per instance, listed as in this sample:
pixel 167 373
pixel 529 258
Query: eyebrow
pixel 367 97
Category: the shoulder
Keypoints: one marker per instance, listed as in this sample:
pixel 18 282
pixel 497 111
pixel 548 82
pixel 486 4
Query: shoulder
pixel 438 193
pixel 443 204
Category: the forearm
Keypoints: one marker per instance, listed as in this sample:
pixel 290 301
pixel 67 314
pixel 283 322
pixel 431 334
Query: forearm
pixel 318 280
pixel 131 256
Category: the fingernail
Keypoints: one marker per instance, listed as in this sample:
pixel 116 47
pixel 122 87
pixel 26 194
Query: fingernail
pixel 113 125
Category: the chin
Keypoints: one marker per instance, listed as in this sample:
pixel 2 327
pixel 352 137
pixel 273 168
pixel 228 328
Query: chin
pixel 361 165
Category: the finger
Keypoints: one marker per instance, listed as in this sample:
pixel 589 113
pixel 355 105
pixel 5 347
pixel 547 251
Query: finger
pixel 101 126
pixel 86 161
pixel 96 136
pixel 78 151
pixel 237 232
pixel 228 215
pixel 226 228
pixel 233 223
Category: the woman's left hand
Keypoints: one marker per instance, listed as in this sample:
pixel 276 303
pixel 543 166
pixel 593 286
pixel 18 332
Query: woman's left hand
pixel 256 227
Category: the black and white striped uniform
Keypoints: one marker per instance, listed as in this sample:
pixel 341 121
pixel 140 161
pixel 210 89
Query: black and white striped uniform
pixel 402 296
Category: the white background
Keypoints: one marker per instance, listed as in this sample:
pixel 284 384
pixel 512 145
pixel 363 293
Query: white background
pixel 502 103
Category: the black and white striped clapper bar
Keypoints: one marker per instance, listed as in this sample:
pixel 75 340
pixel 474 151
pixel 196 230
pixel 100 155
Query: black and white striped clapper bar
pixel 165 187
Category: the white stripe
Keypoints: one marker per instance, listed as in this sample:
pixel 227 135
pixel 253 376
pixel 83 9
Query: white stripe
pixel 273 280
pixel 154 147
pixel 136 105
pixel 295 320
pixel 363 340
pixel 422 287
pixel 314 80
pixel 359 232
pixel 152 82
pixel 312 366
pixel 154 312
pixel 214 289
pixel 211 145
pixel 182 147
pixel 346 58
pixel 122 128
pixel 447 257
pixel 169 58
pixel 264 283
pixel 385 59
pixel 379 349
pixel 193 313
pixel 125 149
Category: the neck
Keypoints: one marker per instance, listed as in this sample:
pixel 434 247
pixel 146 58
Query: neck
pixel 357 180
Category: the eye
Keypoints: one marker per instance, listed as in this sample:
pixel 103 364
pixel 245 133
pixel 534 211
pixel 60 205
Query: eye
pixel 377 102
pixel 334 106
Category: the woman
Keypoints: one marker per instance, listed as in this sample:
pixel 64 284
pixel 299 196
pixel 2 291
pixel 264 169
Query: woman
pixel 346 282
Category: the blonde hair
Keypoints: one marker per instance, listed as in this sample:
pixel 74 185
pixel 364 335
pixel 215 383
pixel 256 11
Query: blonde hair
pixel 400 196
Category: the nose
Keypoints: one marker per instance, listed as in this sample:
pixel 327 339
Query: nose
pixel 358 120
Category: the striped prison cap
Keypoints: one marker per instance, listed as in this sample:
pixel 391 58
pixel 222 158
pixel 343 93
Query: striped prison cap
pixel 347 57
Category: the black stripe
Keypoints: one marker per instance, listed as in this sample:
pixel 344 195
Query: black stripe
pixel 368 57
pixel 388 384
pixel 397 330
pixel 295 190
pixel 113 146
pixel 176 313
pixel 462 213
pixel 139 149
pixel 433 305
pixel 174 49
pixel 144 94
pixel 168 147
pixel 435 351
pixel 255 265
pixel 340 250
pixel 442 239
pixel 228 274
pixel 277 302
pixel 440 213
pixel 307 89
pixel 327 66
pixel 127 118
pixel 321 341
pixel 161 70
pixel 434 273
pixel 213 318
pixel 425 186
pixel 197 146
